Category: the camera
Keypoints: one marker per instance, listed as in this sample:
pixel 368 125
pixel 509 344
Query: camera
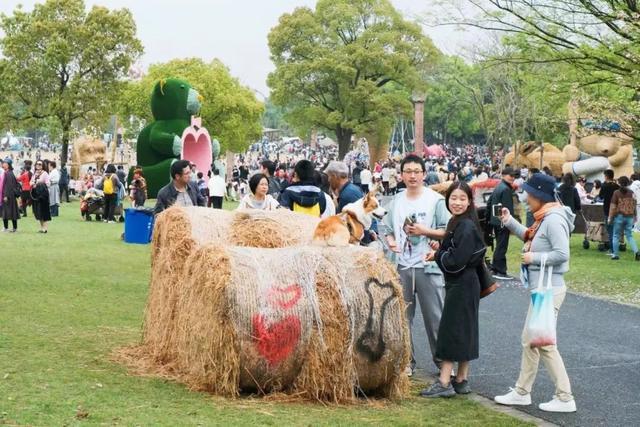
pixel 497 210
pixel 410 220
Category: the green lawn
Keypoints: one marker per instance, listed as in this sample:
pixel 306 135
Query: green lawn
pixel 69 298
pixel 593 272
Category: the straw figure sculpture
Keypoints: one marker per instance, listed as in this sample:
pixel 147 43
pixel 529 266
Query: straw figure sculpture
pixel 227 316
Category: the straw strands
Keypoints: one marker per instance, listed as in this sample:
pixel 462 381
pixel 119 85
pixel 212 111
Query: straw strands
pixel 225 317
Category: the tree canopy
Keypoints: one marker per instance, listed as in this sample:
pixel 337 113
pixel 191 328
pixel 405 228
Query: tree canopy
pixel 62 62
pixel 594 44
pixel 349 66
pixel 230 111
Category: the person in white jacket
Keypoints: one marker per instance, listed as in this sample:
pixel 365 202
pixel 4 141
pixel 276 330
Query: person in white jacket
pixel 217 188
pixel 365 179
pixel 635 188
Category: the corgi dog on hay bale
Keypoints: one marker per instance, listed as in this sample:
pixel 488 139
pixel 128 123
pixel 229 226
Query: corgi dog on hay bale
pixel 349 226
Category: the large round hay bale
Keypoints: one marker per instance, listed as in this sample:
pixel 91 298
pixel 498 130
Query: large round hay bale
pixel 315 321
pixel 178 232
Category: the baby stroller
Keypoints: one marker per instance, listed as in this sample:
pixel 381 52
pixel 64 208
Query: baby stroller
pixel 596 232
pixel 92 203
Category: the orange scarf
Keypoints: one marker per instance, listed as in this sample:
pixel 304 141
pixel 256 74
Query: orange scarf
pixel 538 216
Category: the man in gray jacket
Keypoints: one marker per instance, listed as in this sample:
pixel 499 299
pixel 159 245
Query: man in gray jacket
pixel 180 191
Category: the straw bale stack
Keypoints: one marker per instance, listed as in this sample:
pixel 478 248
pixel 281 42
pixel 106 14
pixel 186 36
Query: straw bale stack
pixel 313 321
pixel 178 232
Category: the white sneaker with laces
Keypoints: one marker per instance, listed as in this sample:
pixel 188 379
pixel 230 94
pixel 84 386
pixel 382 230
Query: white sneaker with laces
pixel 557 405
pixel 513 398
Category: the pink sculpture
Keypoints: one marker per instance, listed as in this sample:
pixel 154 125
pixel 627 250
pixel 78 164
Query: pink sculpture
pixel 196 146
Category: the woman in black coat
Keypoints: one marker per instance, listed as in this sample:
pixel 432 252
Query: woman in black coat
pixel 40 196
pixel 10 192
pixel 569 193
pixel 459 256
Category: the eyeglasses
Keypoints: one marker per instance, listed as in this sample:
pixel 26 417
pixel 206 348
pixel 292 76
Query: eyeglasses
pixel 413 171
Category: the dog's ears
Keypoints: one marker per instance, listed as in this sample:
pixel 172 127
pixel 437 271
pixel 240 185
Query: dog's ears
pixel 352 215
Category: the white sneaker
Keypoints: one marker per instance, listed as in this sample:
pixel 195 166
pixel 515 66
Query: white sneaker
pixel 513 398
pixel 408 371
pixel 557 405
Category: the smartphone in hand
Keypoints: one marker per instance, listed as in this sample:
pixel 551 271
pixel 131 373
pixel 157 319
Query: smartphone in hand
pixel 497 210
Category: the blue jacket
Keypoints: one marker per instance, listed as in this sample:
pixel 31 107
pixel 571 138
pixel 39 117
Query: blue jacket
pixel 303 193
pixel 349 193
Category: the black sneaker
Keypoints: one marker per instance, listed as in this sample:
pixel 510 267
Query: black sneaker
pixel 502 276
pixel 637 256
pixel 438 390
pixel 615 258
pixel 461 388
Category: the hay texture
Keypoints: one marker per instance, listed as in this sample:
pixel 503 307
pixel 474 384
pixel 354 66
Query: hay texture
pixel 178 232
pixel 317 323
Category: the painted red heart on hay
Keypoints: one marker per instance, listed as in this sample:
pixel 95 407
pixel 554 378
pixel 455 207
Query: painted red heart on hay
pixel 285 298
pixel 276 341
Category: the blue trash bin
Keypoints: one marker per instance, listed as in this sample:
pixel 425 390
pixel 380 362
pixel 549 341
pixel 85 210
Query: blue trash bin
pixel 138 225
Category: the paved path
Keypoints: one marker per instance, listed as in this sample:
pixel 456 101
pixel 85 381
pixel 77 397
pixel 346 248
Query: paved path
pixel 600 344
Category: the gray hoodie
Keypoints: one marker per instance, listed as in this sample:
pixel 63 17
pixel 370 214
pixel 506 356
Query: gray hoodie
pixel 552 239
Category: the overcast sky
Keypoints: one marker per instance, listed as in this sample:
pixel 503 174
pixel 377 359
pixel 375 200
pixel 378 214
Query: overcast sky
pixel 235 31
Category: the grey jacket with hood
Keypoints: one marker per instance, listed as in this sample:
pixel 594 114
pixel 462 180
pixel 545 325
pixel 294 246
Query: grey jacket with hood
pixel 552 239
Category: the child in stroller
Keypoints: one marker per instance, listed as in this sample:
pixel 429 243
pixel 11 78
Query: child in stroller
pixel 92 203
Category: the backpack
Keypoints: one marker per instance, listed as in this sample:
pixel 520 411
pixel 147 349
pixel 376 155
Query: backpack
pixel 107 185
pixel 311 210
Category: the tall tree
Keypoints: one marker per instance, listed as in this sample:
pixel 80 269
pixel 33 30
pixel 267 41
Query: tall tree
pixel 599 41
pixel 336 66
pixel 63 62
pixel 593 35
pixel 230 111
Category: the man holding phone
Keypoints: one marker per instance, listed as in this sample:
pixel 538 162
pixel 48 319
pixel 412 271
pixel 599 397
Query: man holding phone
pixel 502 197
pixel 414 217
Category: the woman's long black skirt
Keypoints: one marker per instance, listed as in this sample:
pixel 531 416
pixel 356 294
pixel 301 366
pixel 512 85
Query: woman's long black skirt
pixel 458 338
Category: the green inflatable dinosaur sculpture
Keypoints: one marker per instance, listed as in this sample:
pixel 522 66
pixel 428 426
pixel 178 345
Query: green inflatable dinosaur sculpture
pixel 173 102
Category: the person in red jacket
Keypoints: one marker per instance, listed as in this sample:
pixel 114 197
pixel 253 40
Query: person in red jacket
pixel 25 181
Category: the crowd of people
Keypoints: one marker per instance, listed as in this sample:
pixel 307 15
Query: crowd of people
pixel 41 187
pixel 435 239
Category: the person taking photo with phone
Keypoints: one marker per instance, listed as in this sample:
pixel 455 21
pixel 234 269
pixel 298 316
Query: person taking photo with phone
pixel 547 239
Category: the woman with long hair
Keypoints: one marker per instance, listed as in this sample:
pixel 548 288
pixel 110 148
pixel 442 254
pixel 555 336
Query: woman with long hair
pixel 40 196
pixel 622 214
pixel 11 189
pixel 546 244
pixel 459 256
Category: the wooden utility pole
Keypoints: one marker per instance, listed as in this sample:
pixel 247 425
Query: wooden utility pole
pixel 114 142
pixel 418 105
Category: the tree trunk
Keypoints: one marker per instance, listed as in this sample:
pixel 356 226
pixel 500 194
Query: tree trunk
pixel 230 157
pixel 378 141
pixel 344 141
pixel 66 128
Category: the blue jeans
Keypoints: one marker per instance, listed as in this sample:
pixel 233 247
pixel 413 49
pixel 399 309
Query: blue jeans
pixel 609 226
pixel 623 223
